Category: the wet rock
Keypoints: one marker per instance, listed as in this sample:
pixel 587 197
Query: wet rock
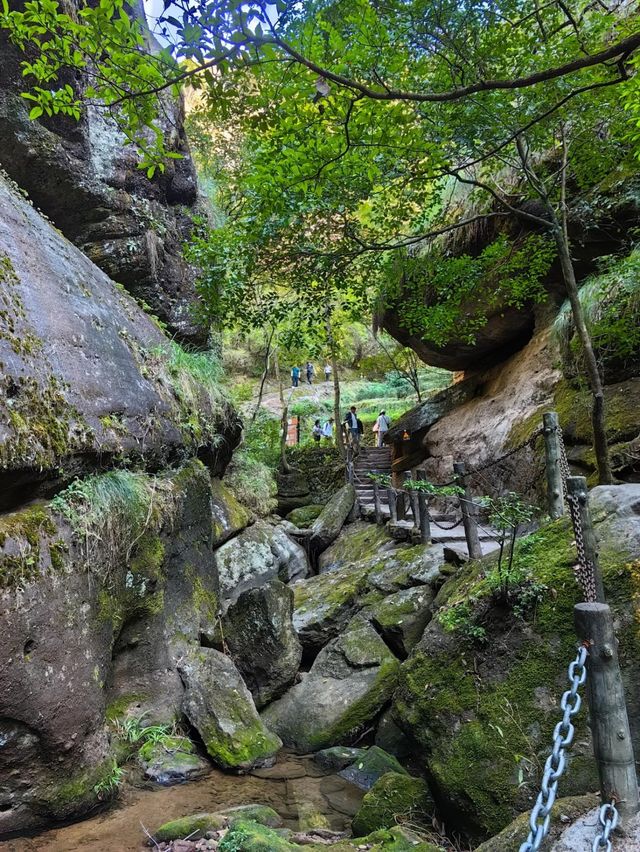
pixel 337 757
pixel 394 798
pixel 142 600
pixel 402 617
pixel 87 375
pixel 221 709
pixel 349 682
pixel 373 764
pixel 171 761
pixel 326 527
pixel 261 553
pixel 229 516
pixel 262 642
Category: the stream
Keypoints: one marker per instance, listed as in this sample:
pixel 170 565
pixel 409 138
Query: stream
pixel 295 787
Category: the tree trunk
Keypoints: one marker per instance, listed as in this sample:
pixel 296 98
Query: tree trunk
pixel 605 476
pixel 284 422
pixel 336 384
pixel 265 372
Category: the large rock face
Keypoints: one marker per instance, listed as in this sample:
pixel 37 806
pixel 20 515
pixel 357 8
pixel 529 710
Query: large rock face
pixel 87 376
pixel 86 179
pixel 462 703
pixel 87 632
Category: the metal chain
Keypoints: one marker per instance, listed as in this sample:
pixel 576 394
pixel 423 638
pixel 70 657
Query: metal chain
pixel 584 571
pixel 607 820
pixel 472 471
pixel 540 818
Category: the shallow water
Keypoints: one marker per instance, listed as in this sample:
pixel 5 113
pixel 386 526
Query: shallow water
pixel 301 790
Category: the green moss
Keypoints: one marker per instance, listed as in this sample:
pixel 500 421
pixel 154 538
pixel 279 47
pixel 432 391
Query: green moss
pixel 70 794
pixel 117 708
pixel 396 839
pixel 249 744
pixel 149 751
pixel 395 797
pixel 148 557
pixel 493 715
pixel 194 827
pixel 205 601
pixel 27 545
pixel 228 515
pixel 622 404
pixel 248 836
pixel 305 515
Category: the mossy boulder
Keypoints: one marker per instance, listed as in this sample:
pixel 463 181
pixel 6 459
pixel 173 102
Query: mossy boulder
pixel 465 706
pixel 221 709
pixel 358 542
pixel 260 553
pixel 395 797
pixel 305 515
pixel 401 618
pixel 293 491
pixel 229 516
pixel 563 813
pixel 197 825
pixel 326 527
pixel 171 760
pixel 350 681
pixel 368 767
pixel 396 839
pixel 262 642
pixel 337 757
pixel 249 836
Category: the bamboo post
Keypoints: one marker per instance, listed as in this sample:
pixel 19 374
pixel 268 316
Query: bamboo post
pixel 393 506
pixel 425 523
pixel 552 464
pixel 612 744
pixel 468 514
pixel 577 487
pixel 376 503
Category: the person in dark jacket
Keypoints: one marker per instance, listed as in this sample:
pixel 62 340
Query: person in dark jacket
pixel 354 427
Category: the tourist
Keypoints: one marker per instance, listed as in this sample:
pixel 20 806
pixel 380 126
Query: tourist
pixel 381 427
pixel 327 430
pixel 317 431
pixel 327 372
pixel 310 372
pixel 354 427
pixel 295 377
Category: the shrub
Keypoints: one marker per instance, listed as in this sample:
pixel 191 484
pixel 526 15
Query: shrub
pixel 252 483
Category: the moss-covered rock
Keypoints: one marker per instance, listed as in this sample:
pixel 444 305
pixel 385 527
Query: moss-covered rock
pixel 327 526
pixel 337 757
pixel 305 515
pixel 228 515
pixel 466 707
pixel 220 707
pixel 396 839
pixel 564 812
pixel 171 760
pixel 349 682
pixel 259 634
pixel 402 617
pixel 395 797
pixel 248 836
pixel 358 542
pixel 368 767
pixel 197 825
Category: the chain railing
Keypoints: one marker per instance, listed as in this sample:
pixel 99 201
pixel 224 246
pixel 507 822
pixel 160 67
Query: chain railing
pixel 540 819
pixel 607 821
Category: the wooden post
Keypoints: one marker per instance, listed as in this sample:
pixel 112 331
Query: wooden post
pixel 349 470
pixel 401 500
pixel 425 524
pixel 393 506
pixel 612 744
pixel 376 503
pixel 415 508
pixel 577 487
pixel 552 464
pixel 468 514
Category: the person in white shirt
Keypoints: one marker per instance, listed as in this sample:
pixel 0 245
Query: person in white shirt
pixel 327 372
pixel 381 427
pixel 317 431
pixel 327 430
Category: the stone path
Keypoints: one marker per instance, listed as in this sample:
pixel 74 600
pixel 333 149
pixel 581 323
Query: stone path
pixel 378 460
